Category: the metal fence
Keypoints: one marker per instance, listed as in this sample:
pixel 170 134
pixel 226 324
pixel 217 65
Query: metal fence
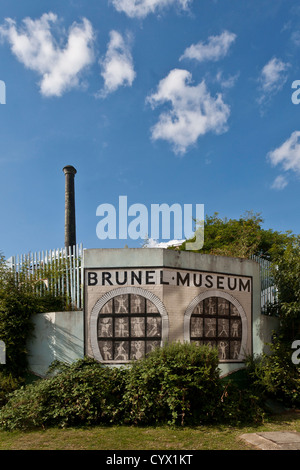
pixel 58 271
pixel 268 290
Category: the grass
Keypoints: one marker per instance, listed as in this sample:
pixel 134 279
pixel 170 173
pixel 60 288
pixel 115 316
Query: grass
pixel 144 438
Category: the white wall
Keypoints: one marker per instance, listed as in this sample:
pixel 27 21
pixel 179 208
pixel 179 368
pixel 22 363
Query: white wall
pixel 57 336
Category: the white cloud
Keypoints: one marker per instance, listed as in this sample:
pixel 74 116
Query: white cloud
pixel 142 8
pixel 117 66
pixel 228 82
pixel 152 243
pixel 273 77
pixel 193 113
pixel 280 182
pixel 288 157
pixel 215 49
pixel 35 47
pixel 288 154
pixel 296 38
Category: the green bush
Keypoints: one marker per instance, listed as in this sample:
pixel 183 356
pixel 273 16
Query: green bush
pixel 177 384
pixel 8 384
pixel 275 376
pixel 239 406
pixel 84 393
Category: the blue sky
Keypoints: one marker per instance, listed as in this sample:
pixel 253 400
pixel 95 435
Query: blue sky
pixel 170 101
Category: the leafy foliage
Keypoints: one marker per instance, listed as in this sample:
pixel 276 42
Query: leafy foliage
pixel 18 302
pixel 178 384
pixel 84 393
pixel 275 376
pixel 8 384
pixel 240 405
pixel 286 273
pixel 241 237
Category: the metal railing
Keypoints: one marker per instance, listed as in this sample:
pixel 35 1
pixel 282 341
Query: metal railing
pixel 268 290
pixel 58 271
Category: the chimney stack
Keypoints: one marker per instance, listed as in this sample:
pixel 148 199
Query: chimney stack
pixel 70 220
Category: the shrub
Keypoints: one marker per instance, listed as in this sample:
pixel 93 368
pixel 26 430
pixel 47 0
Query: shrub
pixel 84 393
pixel 275 376
pixel 239 406
pixel 8 384
pixel 176 384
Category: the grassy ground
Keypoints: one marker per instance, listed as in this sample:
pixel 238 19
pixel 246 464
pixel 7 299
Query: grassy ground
pixel 144 438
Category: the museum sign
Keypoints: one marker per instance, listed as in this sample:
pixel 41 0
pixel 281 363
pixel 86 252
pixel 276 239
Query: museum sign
pixel 129 311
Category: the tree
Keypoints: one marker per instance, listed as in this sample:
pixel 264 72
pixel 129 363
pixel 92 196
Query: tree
pixel 275 375
pixel 241 237
pixel 286 273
